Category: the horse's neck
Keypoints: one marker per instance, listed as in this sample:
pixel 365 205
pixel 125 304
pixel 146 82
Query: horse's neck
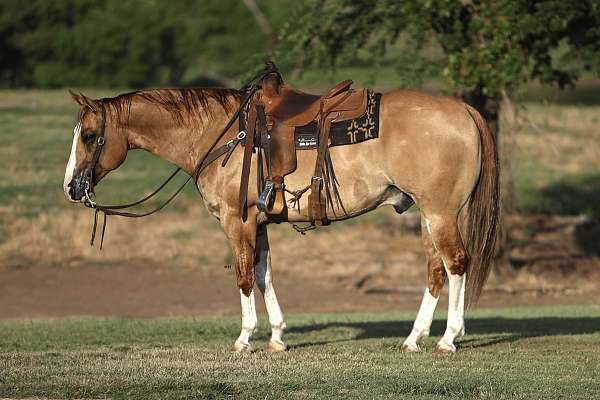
pixel 181 144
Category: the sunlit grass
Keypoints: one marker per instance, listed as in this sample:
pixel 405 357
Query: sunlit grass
pixel 527 354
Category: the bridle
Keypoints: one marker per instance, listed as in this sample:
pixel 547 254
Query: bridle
pixel 212 154
pixel 89 172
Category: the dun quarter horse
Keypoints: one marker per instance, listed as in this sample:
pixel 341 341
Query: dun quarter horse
pixel 433 151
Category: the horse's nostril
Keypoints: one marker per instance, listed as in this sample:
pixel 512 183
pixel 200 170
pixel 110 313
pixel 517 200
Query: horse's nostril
pixel 75 191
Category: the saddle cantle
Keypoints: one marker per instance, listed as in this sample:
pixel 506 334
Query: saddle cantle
pixel 283 109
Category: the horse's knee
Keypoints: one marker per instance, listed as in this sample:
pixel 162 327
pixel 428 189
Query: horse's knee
pixel 245 272
pixel 246 285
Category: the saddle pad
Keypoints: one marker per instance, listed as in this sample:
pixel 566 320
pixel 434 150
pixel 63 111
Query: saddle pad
pixel 344 132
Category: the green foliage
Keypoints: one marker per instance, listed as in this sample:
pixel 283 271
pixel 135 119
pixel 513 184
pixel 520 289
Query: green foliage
pixel 486 46
pixel 119 43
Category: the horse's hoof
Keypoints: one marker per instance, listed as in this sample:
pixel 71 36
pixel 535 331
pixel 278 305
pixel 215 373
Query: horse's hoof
pixel 239 347
pixel 408 347
pixel 445 348
pixel 276 347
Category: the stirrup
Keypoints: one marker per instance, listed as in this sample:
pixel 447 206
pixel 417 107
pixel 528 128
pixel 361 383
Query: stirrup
pixel 265 200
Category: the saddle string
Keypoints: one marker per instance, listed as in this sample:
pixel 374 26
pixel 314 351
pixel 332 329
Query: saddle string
pixel 250 89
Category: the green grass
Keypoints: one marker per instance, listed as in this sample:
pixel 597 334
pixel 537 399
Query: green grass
pixel 554 157
pixel 542 353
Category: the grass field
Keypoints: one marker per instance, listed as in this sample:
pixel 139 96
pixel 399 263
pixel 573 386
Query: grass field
pixel 542 353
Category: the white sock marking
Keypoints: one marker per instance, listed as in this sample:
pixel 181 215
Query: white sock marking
pixel 248 317
pixel 265 283
pixel 423 320
pixel 456 308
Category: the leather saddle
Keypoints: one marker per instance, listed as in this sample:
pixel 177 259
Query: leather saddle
pixel 286 108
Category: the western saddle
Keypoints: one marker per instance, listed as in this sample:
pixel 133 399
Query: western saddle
pixel 274 113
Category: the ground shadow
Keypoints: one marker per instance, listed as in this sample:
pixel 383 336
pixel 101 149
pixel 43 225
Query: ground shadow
pixel 574 195
pixel 505 329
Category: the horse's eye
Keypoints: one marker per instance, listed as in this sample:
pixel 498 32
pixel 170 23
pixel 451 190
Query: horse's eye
pixel 88 137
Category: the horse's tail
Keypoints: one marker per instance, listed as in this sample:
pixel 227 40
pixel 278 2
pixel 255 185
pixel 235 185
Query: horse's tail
pixel 483 219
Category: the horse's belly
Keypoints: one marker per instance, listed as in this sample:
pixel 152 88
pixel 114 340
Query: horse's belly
pixel 362 183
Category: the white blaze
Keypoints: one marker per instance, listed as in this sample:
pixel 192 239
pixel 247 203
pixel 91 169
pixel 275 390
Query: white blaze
pixel 72 160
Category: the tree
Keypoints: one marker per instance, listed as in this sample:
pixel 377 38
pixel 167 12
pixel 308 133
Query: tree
pixel 487 48
pixel 126 43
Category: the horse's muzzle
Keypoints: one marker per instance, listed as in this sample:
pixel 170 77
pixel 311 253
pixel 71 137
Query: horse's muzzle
pixel 75 190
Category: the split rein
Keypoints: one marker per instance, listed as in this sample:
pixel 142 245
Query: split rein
pixel 211 155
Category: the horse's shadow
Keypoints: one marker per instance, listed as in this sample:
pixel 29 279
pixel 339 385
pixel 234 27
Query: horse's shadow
pixel 495 330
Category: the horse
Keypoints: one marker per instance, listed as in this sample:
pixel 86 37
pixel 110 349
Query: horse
pixel 433 151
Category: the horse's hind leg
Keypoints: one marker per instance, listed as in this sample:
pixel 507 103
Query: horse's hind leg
pixel 446 238
pixel 264 280
pixel 436 276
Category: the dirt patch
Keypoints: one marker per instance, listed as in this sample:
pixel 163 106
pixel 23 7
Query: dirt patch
pixel 149 290
pixel 173 265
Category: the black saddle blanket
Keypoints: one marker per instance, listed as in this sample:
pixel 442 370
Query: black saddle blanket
pixel 345 132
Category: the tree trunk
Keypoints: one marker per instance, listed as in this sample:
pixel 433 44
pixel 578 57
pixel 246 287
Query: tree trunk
pixel 488 107
pixel 261 19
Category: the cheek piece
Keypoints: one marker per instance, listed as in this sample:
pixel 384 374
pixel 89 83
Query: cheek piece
pixel 89 171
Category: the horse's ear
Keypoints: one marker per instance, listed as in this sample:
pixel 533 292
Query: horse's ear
pixel 84 101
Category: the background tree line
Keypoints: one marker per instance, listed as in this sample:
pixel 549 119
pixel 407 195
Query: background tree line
pixel 128 43
pixel 480 48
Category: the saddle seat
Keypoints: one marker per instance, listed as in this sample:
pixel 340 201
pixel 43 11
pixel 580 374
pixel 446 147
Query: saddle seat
pixel 292 107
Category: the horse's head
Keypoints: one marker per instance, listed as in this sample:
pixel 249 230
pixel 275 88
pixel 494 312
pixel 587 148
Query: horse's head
pixel 97 149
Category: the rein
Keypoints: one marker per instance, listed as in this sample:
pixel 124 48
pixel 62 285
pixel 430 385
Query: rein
pixel 211 155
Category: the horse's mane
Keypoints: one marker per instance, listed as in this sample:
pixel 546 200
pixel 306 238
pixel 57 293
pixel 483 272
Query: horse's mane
pixel 186 106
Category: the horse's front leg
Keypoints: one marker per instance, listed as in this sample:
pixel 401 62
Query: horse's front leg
pixel 242 240
pixel 264 281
